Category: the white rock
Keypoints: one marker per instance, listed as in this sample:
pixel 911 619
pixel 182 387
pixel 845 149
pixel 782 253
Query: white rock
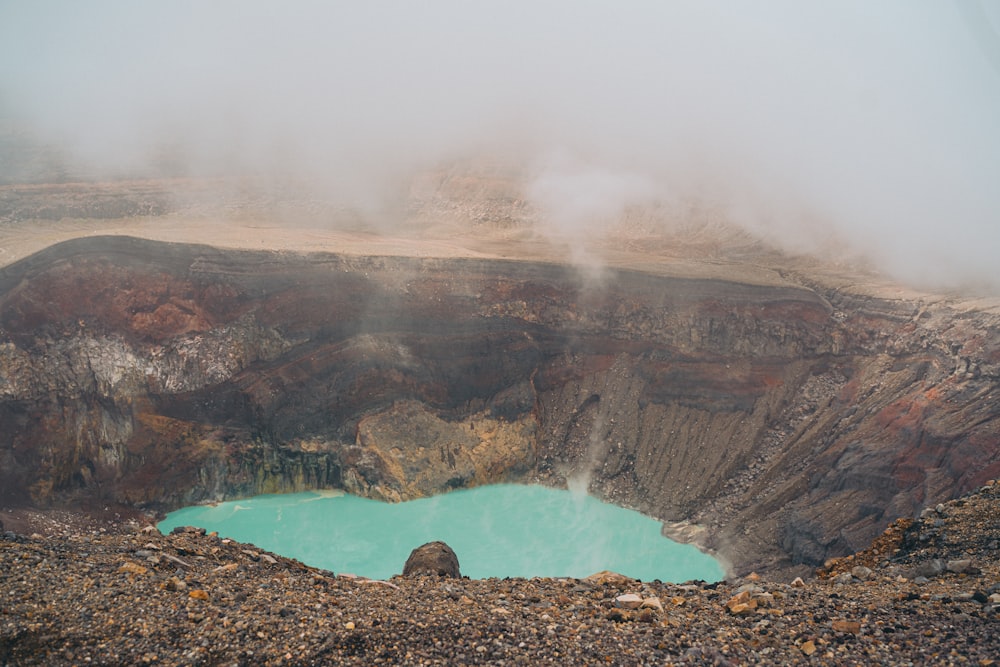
pixel 628 601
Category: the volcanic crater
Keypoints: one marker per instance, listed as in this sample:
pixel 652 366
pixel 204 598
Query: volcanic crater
pixel 771 411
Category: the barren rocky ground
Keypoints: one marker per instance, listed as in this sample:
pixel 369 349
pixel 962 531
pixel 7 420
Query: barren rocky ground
pixel 118 592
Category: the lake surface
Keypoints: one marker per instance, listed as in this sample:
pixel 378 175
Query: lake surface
pixel 505 530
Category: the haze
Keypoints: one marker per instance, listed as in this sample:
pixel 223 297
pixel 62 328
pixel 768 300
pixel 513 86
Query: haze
pixel 874 124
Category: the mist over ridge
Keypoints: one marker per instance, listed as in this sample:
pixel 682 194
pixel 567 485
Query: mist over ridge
pixel 872 124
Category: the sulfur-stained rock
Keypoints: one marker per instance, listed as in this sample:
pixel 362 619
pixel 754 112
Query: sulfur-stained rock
pixel 416 453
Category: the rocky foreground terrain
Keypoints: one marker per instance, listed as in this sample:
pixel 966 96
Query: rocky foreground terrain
pixel 118 592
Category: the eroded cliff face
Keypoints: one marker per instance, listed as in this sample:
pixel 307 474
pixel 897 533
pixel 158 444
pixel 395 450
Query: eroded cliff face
pixel 790 420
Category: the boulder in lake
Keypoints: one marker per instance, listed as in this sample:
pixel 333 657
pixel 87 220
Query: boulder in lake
pixel 435 558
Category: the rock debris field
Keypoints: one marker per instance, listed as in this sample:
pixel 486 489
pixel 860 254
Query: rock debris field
pixel 93 592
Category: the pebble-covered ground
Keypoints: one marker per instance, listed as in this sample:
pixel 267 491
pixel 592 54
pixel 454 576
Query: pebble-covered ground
pixel 928 592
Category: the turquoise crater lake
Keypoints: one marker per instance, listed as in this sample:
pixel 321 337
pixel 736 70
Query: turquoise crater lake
pixel 504 530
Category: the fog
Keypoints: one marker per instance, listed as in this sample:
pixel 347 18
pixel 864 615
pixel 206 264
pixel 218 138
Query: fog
pixel 870 123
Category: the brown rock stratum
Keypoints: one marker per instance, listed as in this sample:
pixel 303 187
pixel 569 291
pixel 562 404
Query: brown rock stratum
pixel 772 409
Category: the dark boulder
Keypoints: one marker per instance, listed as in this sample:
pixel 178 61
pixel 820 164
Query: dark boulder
pixel 435 558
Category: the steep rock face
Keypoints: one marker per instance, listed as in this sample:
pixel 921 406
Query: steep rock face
pixel 790 420
pixel 406 451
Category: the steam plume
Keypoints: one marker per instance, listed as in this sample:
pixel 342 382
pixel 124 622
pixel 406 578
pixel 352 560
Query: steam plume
pixel 874 122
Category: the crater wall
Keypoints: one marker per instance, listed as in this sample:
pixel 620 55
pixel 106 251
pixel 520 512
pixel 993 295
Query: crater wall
pixel 789 422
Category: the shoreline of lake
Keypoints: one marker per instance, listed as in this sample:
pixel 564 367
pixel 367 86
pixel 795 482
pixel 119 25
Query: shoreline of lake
pixel 504 530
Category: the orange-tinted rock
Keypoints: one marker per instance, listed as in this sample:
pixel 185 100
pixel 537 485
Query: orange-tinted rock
pixel 852 627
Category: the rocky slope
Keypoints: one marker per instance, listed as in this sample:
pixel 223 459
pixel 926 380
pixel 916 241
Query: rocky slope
pixel 119 592
pixel 780 420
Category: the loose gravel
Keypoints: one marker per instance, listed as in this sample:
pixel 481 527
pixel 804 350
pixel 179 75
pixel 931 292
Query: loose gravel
pixel 927 592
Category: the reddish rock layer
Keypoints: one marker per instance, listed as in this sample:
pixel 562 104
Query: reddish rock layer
pixel 793 422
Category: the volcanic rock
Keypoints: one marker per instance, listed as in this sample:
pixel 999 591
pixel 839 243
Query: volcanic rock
pixel 607 578
pixel 435 558
pixel 791 417
pixel 628 601
pixel 959 565
pixel 781 412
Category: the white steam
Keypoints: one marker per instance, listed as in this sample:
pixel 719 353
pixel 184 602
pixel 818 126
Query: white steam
pixel 872 121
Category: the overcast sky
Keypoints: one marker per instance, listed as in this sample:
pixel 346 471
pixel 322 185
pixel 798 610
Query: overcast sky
pixel 877 121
